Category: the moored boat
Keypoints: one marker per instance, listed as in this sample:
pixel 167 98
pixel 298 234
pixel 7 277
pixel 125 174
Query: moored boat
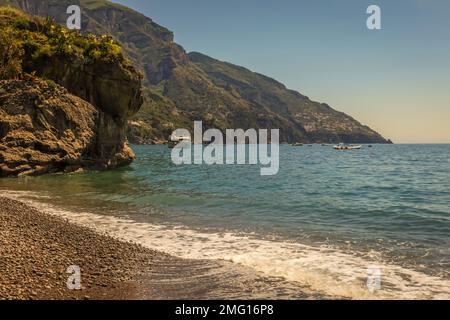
pixel 343 146
pixel 174 140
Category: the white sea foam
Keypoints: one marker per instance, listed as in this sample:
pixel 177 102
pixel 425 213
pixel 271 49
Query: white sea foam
pixel 325 269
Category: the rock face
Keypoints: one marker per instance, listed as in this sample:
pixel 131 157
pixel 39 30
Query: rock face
pixel 45 129
pixel 112 88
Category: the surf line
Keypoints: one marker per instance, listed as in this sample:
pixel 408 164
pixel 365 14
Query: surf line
pixel 239 147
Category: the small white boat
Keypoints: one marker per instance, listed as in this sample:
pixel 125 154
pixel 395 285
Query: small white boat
pixel 342 146
pixel 174 140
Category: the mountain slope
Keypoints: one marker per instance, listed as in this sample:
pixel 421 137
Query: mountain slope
pixel 318 121
pixel 181 88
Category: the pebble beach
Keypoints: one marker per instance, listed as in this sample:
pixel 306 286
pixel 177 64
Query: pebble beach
pixel 37 248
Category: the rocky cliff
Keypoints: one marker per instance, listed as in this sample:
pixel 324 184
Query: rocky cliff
pixel 196 87
pixel 64 98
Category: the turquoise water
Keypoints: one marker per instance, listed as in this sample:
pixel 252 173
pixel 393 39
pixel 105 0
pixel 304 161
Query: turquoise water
pixel 323 220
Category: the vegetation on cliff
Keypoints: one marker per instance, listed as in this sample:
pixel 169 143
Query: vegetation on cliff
pixel 27 41
pixel 65 98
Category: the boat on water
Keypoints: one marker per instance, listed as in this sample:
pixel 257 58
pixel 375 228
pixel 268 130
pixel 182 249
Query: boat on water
pixel 298 144
pixel 342 146
pixel 174 140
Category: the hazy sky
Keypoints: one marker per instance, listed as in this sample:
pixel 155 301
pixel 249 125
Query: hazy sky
pixel 396 80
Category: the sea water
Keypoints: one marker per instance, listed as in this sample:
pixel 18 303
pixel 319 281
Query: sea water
pixel 326 221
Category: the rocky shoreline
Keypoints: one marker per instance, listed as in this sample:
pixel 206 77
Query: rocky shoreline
pixel 37 248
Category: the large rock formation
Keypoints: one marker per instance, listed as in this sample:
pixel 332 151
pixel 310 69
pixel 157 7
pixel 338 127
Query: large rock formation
pixel 45 129
pixel 114 89
pixel 68 108
pixel 196 87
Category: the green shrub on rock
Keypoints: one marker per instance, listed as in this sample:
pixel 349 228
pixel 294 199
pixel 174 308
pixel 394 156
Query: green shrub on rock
pixel 27 41
pixel 11 54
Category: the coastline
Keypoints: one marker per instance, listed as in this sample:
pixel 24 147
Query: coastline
pixel 198 261
pixel 125 259
pixel 37 247
pixel 179 263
